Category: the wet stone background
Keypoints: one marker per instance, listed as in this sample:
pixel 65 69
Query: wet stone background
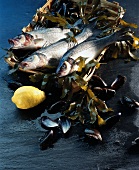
pixel 20 133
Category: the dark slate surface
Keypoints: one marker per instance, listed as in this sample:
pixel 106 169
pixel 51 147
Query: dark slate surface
pixel 20 133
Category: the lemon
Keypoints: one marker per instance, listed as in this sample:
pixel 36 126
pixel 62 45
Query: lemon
pixel 26 97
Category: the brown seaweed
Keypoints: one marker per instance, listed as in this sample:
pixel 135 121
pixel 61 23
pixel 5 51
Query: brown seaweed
pixel 97 81
pixel 57 107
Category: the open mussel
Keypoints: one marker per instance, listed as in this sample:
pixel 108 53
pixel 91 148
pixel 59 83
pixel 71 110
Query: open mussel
pixel 93 133
pixel 65 124
pixel 118 82
pixel 48 123
pixel 104 93
pixel 131 103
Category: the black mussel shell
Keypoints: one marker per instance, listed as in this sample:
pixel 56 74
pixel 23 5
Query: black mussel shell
pixel 104 93
pixel 111 121
pixel 47 140
pixel 136 141
pixel 48 123
pixel 118 82
pixel 129 102
pixel 93 133
pixel 134 148
pixel 136 103
pixel 65 124
pixel 57 107
pixel 14 85
pixel 96 81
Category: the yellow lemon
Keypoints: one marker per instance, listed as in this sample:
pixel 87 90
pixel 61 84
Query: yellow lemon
pixel 27 97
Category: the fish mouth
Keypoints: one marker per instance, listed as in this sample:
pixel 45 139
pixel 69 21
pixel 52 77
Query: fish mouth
pixel 23 65
pixel 60 73
pixel 13 42
pixel 27 66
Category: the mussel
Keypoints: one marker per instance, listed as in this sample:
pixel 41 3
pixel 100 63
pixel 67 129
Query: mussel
pixel 47 140
pixel 136 141
pixel 134 148
pixel 48 123
pixel 118 82
pixel 129 102
pixel 111 121
pixel 65 124
pixel 14 85
pixel 93 133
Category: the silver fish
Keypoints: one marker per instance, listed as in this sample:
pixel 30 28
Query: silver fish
pixel 88 49
pixel 50 56
pixel 38 38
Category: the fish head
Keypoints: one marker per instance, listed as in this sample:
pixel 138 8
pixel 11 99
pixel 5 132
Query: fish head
pixel 33 62
pixel 21 41
pixel 67 67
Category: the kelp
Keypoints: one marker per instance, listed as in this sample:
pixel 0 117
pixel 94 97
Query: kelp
pixel 58 19
pixel 108 13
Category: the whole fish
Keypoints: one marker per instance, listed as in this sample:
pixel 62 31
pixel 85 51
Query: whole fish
pixel 38 38
pixel 88 49
pixel 50 56
pixel 41 37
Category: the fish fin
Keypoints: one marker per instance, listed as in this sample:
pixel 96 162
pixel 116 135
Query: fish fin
pixel 46 44
pixel 38 27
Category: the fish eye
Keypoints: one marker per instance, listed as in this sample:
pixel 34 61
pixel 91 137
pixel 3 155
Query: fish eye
pixel 28 36
pixel 30 58
pixel 22 38
pixel 35 58
pixel 63 67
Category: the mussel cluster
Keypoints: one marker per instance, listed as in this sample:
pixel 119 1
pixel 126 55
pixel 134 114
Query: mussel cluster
pixel 72 113
pixel 53 128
